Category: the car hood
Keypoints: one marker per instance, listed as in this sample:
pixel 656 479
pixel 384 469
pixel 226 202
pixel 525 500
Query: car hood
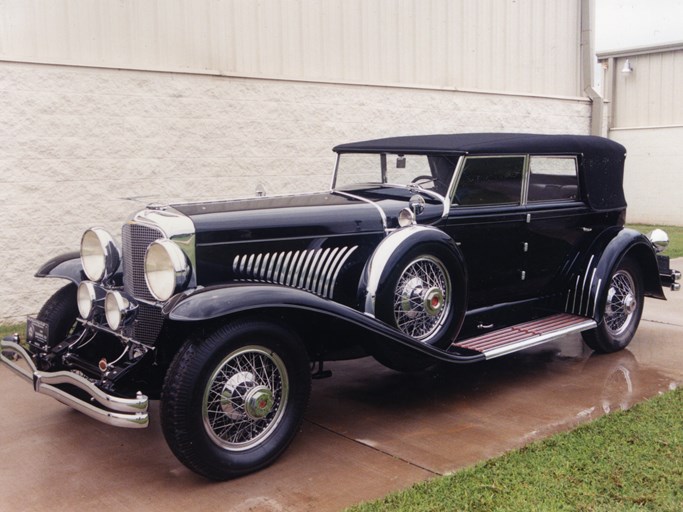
pixel 365 211
pixel 309 215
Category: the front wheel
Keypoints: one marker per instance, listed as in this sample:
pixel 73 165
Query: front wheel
pixel 234 401
pixel 624 300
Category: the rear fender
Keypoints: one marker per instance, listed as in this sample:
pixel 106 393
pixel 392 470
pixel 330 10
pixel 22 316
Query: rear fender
pixel 590 275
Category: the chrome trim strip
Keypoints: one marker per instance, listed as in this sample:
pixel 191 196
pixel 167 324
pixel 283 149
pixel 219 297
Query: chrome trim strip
pixel 331 271
pixel 276 272
pixel 590 287
pixel 382 214
pixel 325 270
pixel 285 266
pixel 257 265
pixel 302 277
pixel 585 278
pixel 264 266
pixel 318 252
pixel 538 340
pixel 576 292
pixel 318 269
pixel 339 267
pixel 597 294
pixel 124 412
pixel 292 268
pixel 315 270
pixel 271 267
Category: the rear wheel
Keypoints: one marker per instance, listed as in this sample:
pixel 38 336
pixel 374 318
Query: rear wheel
pixel 623 308
pixel 234 401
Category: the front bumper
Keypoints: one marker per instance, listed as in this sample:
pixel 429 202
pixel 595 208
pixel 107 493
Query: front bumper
pixel 113 410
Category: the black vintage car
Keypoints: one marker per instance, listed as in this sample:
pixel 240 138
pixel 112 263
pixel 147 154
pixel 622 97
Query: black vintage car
pixel 452 248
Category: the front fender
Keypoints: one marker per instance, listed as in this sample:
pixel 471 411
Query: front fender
pixel 219 301
pixel 65 266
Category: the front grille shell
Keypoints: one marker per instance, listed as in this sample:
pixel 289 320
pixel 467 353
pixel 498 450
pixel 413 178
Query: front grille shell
pixel 137 234
pixel 136 239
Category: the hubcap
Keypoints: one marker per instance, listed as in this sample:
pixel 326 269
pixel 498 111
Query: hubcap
pixel 622 303
pixel 245 398
pixel 422 298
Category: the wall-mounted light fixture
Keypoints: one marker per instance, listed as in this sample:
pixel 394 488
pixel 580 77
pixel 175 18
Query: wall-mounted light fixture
pixel 627 69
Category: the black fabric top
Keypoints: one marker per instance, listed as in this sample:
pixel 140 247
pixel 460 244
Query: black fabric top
pixel 486 143
pixel 601 160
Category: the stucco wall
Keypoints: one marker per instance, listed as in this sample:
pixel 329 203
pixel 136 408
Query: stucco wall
pixel 653 178
pixel 85 146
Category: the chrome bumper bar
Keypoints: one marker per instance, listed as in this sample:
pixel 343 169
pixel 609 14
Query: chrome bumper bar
pixel 113 410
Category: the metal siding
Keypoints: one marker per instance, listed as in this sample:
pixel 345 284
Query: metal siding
pixel 650 95
pixel 523 46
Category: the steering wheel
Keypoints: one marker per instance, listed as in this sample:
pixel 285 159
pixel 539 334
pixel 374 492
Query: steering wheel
pixel 423 178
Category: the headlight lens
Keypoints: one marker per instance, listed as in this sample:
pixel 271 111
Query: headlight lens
pixel 100 256
pixel 86 296
pixel 406 217
pixel 167 270
pixel 116 309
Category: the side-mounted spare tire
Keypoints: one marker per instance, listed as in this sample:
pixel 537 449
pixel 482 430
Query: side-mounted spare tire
pixel 420 288
pixel 424 294
pixel 59 313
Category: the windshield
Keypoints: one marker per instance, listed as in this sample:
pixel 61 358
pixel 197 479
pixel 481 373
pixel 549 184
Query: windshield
pixel 431 172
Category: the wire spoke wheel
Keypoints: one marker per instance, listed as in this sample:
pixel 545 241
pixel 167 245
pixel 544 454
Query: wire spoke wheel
pixel 622 302
pixel 422 298
pixel 234 398
pixel 245 398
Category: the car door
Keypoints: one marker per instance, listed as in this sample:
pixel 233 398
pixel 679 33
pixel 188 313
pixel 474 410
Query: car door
pixel 487 221
pixel 557 219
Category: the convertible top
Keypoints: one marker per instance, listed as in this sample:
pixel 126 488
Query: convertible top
pixel 601 160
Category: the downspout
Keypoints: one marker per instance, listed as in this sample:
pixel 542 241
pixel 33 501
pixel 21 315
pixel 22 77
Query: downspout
pixel 588 65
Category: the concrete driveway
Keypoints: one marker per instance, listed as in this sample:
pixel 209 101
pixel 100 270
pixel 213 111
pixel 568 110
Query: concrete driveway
pixel 368 430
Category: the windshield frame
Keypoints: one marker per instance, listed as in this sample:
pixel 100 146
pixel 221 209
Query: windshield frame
pixel 456 158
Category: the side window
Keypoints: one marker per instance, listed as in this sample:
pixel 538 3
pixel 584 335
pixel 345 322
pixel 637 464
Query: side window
pixel 552 179
pixel 489 181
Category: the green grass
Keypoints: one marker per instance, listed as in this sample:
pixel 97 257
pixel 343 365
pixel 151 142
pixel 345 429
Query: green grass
pixel 675 249
pixel 630 460
pixel 7 329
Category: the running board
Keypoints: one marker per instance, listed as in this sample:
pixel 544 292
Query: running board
pixel 529 334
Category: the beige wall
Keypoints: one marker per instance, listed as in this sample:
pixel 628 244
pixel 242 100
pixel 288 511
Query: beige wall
pixel 84 146
pixel 646 115
pixel 653 178
pixel 522 46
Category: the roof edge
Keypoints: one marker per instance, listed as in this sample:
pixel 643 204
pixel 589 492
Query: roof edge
pixel 641 50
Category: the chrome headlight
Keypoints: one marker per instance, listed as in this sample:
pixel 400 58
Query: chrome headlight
pixel 118 309
pixel 406 217
pixel 87 297
pixel 167 270
pixel 100 256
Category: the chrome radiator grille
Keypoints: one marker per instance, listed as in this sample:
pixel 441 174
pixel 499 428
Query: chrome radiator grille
pixel 136 239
